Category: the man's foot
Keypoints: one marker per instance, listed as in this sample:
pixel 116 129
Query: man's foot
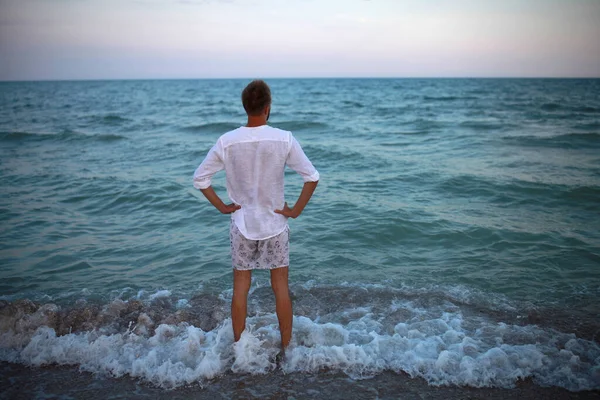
pixel 280 358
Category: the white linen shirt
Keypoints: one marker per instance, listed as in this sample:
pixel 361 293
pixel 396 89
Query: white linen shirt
pixel 254 160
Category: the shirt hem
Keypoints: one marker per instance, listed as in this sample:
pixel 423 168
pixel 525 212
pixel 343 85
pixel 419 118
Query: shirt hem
pixel 313 178
pixel 262 238
pixel 202 186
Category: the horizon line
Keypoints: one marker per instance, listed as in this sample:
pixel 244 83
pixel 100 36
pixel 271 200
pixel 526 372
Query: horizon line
pixel 290 78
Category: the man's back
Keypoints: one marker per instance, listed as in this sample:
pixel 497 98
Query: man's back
pixel 254 159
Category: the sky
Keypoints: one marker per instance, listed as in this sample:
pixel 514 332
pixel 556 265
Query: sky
pixel 164 39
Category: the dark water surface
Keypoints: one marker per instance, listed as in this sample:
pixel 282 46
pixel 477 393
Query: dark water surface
pixel 454 236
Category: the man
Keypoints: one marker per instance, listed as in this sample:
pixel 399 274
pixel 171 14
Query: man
pixel 254 158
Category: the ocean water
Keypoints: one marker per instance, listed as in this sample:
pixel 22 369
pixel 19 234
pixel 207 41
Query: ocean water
pixel 454 237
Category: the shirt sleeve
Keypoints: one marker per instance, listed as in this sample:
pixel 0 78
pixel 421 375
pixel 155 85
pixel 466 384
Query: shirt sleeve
pixel 212 164
pixel 298 161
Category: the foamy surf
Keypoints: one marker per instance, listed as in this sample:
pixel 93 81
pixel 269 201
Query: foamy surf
pixel 172 342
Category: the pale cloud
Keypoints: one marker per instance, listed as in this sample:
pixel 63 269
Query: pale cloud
pixel 196 38
pixel 185 2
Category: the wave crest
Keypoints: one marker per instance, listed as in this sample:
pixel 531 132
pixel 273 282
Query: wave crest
pixel 67 135
pixel 174 343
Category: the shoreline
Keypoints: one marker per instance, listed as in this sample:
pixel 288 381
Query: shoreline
pixel 22 382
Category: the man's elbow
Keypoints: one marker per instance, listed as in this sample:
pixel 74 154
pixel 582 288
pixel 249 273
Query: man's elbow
pixel 201 184
pixel 312 178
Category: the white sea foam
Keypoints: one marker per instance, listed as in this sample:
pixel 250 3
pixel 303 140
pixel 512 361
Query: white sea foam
pixel 160 294
pixel 182 303
pixel 440 350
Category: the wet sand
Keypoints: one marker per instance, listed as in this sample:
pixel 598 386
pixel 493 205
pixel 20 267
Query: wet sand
pixel 20 382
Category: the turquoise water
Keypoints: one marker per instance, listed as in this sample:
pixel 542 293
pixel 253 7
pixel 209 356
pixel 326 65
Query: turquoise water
pixel 468 200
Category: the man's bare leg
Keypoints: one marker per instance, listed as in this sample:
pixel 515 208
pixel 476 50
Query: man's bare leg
pixel 283 303
pixel 239 302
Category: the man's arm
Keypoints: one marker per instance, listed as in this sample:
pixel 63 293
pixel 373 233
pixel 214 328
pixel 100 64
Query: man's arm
pixel 298 161
pixel 307 192
pixel 203 175
pixel 216 201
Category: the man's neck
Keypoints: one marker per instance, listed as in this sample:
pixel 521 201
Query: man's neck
pixel 256 121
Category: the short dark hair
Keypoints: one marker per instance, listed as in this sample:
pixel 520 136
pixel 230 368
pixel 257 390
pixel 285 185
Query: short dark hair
pixel 255 97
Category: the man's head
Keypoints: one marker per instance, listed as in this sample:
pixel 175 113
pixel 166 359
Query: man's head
pixel 256 97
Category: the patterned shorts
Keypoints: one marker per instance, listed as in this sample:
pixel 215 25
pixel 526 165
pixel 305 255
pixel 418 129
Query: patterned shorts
pixel 269 253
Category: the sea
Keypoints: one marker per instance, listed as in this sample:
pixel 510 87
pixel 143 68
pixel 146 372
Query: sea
pixel 451 249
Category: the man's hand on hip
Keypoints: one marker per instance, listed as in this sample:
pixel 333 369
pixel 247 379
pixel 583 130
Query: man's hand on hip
pixel 229 208
pixel 286 211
